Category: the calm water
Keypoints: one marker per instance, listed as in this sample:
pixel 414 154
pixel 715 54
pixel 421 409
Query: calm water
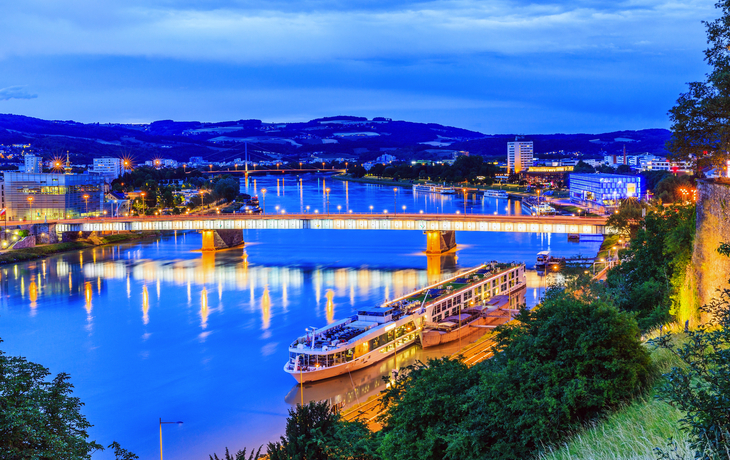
pixel 158 329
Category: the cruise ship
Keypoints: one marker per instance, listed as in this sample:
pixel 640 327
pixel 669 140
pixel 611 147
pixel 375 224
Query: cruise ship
pixel 495 194
pixel 433 188
pixel 376 333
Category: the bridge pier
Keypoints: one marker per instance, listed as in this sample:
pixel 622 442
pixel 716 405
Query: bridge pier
pixel 221 239
pixel 439 241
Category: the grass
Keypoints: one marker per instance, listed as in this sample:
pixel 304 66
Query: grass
pixel 38 252
pixel 635 430
pixel 631 433
pixel 608 242
pixel 20 255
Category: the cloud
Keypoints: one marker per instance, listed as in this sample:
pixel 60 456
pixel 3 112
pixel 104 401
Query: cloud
pixel 244 31
pixel 15 92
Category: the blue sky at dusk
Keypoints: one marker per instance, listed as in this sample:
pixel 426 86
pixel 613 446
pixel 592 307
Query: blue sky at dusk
pixel 492 66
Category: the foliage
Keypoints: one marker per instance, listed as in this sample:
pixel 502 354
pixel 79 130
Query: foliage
pixel 700 124
pixel 313 432
pixel 557 367
pixel 23 233
pixel 562 364
pixel 652 271
pixel 227 187
pixel 701 387
pixel 240 455
pixel 426 405
pixel 465 169
pixel 583 167
pixel 40 419
pixel 669 188
pixel 627 217
pixel 120 453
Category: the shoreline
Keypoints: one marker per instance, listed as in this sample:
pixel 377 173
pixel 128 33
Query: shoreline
pixel 45 250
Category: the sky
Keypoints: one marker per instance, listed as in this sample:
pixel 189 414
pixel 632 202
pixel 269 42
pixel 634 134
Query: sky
pixel 497 66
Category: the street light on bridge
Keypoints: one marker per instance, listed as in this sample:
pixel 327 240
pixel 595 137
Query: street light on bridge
pixel 86 201
pixel 263 193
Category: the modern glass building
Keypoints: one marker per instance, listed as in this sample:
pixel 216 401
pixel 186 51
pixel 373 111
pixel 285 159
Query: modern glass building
pixel 52 196
pixel 604 190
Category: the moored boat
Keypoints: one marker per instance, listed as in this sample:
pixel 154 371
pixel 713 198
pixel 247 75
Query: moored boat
pixel 376 333
pixel 495 194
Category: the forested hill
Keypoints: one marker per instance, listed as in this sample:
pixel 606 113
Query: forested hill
pixel 339 136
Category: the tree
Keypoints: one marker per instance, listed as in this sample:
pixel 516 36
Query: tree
pixel 557 366
pixel 425 408
pixel 227 188
pixel 583 167
pixel 240 455
pixel 700 119
pixel 313 432
pixel 627 218
pixel 40 419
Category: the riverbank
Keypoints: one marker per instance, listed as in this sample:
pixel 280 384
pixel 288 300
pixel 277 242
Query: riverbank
pixel 41 251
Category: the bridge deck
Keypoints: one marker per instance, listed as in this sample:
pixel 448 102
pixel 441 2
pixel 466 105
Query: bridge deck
pixel 420 222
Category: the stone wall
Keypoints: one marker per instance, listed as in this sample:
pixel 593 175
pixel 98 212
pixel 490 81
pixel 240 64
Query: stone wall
pixel 713 227
pixel 27 242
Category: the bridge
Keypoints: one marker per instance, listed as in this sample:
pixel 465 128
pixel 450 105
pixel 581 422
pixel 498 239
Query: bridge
pixel 273 171
pixel 224 231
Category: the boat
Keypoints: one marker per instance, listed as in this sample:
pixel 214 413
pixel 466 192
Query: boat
pixel 495 194
pixel 378 332
pixel 543 259
pixel 538 209
pixel 433 188
pixel 470 320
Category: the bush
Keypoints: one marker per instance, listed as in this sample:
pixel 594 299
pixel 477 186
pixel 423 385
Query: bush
pixel 313 432
pixel 557 367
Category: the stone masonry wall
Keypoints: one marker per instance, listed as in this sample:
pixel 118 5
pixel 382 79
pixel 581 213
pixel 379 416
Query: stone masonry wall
pixel 713 227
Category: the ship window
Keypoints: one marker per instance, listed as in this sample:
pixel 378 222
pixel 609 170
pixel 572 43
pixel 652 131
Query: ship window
pixel 448 303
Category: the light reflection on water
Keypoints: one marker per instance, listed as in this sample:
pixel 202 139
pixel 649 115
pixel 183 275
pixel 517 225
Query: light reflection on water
pixel 159 329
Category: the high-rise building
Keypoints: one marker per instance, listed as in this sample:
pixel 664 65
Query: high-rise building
pixel 108 167
pixel 33 164
pixel 519 156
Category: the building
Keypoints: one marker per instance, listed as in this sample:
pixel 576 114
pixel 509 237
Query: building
pixel 196 161
pixel 546 174
pixel 519 156
pixel 33 164
pixel 604 190
pixel 41 196
pixel 108 167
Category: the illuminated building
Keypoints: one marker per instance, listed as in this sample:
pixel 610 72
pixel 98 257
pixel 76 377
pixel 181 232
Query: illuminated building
pixel 519 156
pixel 604 189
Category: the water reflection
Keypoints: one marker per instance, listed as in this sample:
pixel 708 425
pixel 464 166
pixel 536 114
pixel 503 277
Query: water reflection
pixel 204 308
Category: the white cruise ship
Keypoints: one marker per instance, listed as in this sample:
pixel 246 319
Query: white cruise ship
pixel 495 194
pixel 376 333
pixel 433 188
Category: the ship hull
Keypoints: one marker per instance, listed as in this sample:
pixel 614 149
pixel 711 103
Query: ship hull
pixel 356 364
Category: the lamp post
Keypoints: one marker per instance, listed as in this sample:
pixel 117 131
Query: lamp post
pixel 86 201
pixel 164 423
pixel 464 190
pixel 371 209
pixel 263 193
pixel 144 205
pixel 339 208
pixel 30 203
pixel 327 191
pixel 395 205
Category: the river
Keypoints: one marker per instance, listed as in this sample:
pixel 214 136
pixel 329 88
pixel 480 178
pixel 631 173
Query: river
pixel 157 329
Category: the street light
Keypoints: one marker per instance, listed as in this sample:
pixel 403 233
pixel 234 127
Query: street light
pixel 327 191
pixel 86 200
pixel 307 208
pixel 464 190
pixel 339 209
pixel 164 423
pixel 395 205
pixel 263 193
pixel 404 209
pixel 144 205
pixel 371 209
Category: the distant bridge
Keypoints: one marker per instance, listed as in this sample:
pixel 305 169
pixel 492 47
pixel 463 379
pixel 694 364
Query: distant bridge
pixel 221 231
pixel 266 171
